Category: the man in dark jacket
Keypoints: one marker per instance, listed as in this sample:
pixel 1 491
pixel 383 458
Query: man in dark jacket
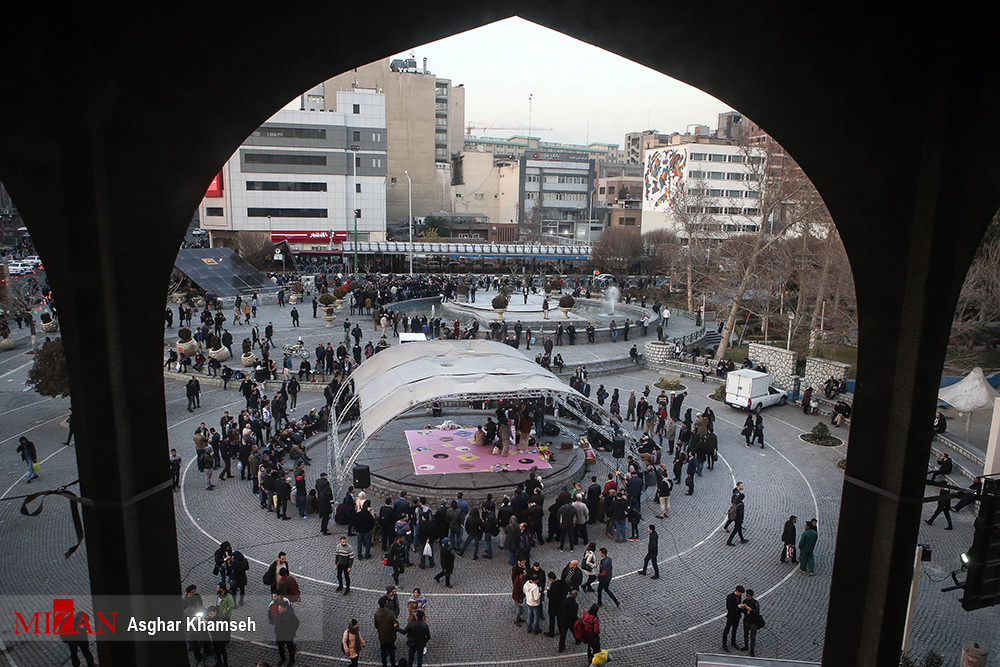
pixel 737 525
pixel 417 635
pixel 557 592
pixel 651 553
pixel 283 490
pixel 569 611
pixel 788 538
pixel 733 615
pixel 324 495
pixel 943 505
pixel 26 448
pixel 386 625
pixel 286 625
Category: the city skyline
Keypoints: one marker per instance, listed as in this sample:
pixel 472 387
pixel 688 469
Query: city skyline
pixel 565 99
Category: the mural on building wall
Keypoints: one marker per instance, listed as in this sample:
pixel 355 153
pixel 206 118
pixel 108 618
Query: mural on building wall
pixel 664 171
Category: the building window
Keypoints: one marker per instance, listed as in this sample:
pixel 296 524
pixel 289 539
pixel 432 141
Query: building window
pixel 531 178
pixel 286 213
pixel 282 186
pixel 376 162
pixel 357 108
pixel 275 132
pixel 601 191
pixel 259 158
pixel 696 174
pixel 699 157
pixel 357 187
pixel 357 161
pixel 753 194
pixel 735 176
pixel 479 195
pixel 715 157
pixel 735 194
pixel 213 211
pixel 376 136
pixel 716 175
pixel 441 122
pixel 736 158
pixel 356 136
pixel 716 193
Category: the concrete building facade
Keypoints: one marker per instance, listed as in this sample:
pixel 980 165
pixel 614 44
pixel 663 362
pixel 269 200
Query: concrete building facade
pixel 425 116
pixel 707 188
pixel 486 184
pixel 301 175
pixel 555 198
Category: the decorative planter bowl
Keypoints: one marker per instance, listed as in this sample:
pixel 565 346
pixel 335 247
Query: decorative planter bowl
pixel 565 312
pixel 220 355
pixel 49 327
pixel 248 360
pixel 500 312
pixel 189 348
pixel 8 343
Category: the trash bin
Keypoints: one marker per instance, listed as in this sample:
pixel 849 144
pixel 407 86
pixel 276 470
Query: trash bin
pixel 974 655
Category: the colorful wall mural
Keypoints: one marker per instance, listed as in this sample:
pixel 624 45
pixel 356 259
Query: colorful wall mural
pixel 664 172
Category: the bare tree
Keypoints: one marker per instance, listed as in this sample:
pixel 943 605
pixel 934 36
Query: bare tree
pixel 255 248
pixel 978 304
pixel 618 249
pixel 788 203
pixel 691 207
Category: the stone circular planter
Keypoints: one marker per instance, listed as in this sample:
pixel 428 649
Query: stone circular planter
pixel 49 327
pixel 200 302
pixel 220 355
pixel 177 297
pixel 499 312
pixel 248 360
pixel 189 348
pixel 565 312
pixel 328 315
pixel 340 303
pixel 8 343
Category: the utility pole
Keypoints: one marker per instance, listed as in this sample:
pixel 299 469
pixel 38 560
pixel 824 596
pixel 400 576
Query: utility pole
pixel 409 185
pixel 354 205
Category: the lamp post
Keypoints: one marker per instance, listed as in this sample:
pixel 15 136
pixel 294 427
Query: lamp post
pixel 354 204
pixel 791 318
pixel 409 188
pixel 270 236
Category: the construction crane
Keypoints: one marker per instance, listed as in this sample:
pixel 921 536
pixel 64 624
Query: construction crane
pixel 519 128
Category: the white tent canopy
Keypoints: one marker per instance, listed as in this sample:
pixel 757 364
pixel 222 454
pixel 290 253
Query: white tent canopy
pixel 402 377
pixel 969 394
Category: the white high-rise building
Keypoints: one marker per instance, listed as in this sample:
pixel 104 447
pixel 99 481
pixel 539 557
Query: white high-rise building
pixel 708 190
pixel 302 175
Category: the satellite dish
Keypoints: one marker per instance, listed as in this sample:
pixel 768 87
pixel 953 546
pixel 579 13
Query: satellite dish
pixel 480 148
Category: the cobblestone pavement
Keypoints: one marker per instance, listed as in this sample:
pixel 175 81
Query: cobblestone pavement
pixel 664 622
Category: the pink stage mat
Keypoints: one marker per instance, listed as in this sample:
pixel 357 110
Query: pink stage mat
pixel 437 452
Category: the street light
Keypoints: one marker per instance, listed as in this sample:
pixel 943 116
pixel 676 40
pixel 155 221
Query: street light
pixel 354 204
pixel 409 187
pixel 791 318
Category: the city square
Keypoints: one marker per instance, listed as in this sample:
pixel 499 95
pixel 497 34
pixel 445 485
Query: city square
pixel 469 337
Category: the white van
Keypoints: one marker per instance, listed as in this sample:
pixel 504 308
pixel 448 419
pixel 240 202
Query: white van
pixel 752 390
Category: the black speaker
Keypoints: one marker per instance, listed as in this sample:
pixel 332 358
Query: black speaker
pixel 362 477
pixel 618 448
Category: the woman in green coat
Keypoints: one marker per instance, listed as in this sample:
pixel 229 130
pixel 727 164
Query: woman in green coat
pixel 807 563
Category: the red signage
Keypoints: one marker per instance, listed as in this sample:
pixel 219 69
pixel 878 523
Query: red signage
pixel 215 187
pixel 308 237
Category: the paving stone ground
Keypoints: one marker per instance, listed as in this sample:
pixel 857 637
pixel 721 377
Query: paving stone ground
pixel 664 622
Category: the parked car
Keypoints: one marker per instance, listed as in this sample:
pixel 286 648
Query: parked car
pixel 752 390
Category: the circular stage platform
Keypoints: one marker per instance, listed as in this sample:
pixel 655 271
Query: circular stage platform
pixel 393 467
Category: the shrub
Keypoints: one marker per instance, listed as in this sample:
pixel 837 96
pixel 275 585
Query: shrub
pixel 247 346
pixel 298 288
pixel 821 430
pixel 550 287
pixel 820 435
pixel 500 302
pixel 46 318
pixel 48 374
pixel 327 299
pixel 214 343
pixel 184 334
pixel 719 394
pixel 339 292
pixel 566 301
pixel 463 289
pixel 669 385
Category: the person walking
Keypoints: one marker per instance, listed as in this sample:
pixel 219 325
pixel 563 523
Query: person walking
pixel 663 489
pixel 943 505
pixel 387 627
pixel 26 448
pixel 589 566
pixel 758 431
pixel 737 524
pixel 447 558
pixel 352 642
pixel 604 578
pixel 788 540
pixel 734 613
pixel 344 559
pixel 651 553
pixel 77 641
pixel 396 558
pixel 807 544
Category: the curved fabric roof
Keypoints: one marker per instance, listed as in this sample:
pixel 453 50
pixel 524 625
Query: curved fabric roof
pixel 403 376
pixel 969 394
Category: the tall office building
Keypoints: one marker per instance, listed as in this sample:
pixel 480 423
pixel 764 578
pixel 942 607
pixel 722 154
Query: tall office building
pixel 302 175
pixel 425 118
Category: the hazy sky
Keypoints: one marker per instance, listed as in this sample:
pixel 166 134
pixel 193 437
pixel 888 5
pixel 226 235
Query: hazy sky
pixel 573 84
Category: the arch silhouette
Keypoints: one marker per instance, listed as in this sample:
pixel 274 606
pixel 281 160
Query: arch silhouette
pixel 116 119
